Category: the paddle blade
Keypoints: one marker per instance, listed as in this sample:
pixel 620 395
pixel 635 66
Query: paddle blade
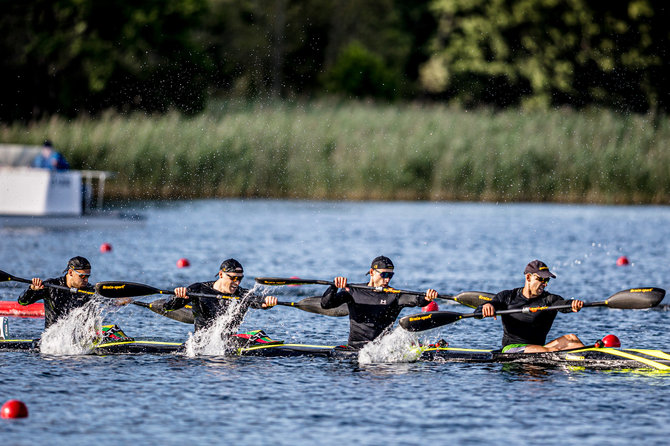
pixel 6 277
pixel 473 299
pixel 124 289
pixel 313 305
pixel 636 298
pixel 184 315
pixel 428 320
pixel 274 281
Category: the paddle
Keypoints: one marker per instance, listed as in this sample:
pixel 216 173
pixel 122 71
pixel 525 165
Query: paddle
pixel 184 315
pixel 130 289
pixel 309 304
pixel 632 299
pixel 471 299
pixel 6 277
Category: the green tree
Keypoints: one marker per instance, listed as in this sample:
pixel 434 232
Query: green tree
pixel 550 52
pixel 74 56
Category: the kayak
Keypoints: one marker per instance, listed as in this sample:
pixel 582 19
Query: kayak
pixel 14 309
pixel 593 358
pixel 588 357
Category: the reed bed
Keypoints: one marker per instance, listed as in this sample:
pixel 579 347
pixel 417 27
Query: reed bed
pixel 360 151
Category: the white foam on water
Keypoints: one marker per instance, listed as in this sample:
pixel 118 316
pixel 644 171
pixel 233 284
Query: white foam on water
pixel 75 333
pixel 214 340
pixel 395 347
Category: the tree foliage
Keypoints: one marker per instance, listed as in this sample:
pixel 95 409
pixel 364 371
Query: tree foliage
pixel 75 56
pixel 550 52
pixel 82 56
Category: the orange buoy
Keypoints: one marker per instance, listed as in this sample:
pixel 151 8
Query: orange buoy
pixel 183 263
pixel 105 247
pixel 622 261
pixel 13 409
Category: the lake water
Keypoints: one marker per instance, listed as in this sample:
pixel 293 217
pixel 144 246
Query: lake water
pixel 451 247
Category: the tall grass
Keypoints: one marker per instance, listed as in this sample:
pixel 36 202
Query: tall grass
pixel 327 150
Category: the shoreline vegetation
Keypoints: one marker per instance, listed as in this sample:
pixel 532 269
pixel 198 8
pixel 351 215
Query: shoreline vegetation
pixel 327 150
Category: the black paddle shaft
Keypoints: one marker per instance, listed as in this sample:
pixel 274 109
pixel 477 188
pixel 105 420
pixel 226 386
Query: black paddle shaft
pixel 6 277
pixel 631 299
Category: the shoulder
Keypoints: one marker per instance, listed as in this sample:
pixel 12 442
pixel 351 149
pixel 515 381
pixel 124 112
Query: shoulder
pixel 242 291
pixel 200 285
pixel 553 297
pixel 507 294
pixel 57 281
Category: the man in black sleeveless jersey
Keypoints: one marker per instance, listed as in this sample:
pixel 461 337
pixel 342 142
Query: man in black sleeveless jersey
pixel 59 302
pixel 207 309
pixel 527 332
pixel 372 312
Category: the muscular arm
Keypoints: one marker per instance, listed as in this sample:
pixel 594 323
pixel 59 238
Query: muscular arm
pixel 332 299
pixel 555 299
pixel 31 296
pixel 412 300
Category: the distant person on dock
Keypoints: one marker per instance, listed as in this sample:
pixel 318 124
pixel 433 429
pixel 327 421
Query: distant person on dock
pixel 371 312
pixel 206 310
pixel 50 159
pixel 59 302
pixel 527 333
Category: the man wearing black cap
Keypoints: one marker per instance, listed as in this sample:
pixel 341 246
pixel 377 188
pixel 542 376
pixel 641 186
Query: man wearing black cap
pixel 527 333
pixel 372 312
pixel 207 309
pixel 59 302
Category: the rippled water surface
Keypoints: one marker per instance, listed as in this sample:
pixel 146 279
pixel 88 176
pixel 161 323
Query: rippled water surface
pixel 302 401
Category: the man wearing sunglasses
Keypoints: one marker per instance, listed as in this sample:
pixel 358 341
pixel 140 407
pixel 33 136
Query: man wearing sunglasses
pixel 527 333
pixel 59 302
pixel 207 309
pixel 372 312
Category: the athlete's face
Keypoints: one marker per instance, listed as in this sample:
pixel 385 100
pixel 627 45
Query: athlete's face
pixel 380 277
pixel 536 284
pixel 231 281
pixel 78 278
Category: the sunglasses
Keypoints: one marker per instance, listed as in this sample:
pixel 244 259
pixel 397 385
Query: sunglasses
pixel 235 278
pixel 385 274
pixel 82 275
pixel 541 279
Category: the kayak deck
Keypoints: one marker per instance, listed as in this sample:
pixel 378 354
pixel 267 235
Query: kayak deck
pixel 597 358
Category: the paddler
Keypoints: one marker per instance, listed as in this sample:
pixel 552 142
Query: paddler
pixel 372 312
pixel 59 302
pixel 207 309
pixel 527 333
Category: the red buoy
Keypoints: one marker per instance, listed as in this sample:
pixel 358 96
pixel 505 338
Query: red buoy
pixel 294 277
pixel 13 409
pixel 105 247
pixel 432 306
pixel 621 261
pixel 611 341
pixel 183 263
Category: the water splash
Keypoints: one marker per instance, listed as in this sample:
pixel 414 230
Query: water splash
pixel 215 340
pixel 75 333
pixel 395 347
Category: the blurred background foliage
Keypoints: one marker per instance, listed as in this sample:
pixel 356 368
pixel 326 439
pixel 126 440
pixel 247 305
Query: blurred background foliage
pixel 80 57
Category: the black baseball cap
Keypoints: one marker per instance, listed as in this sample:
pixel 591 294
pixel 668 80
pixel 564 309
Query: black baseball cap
pixel 231 266
pixel 78 263
pixel 540 268
pixel 381 262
